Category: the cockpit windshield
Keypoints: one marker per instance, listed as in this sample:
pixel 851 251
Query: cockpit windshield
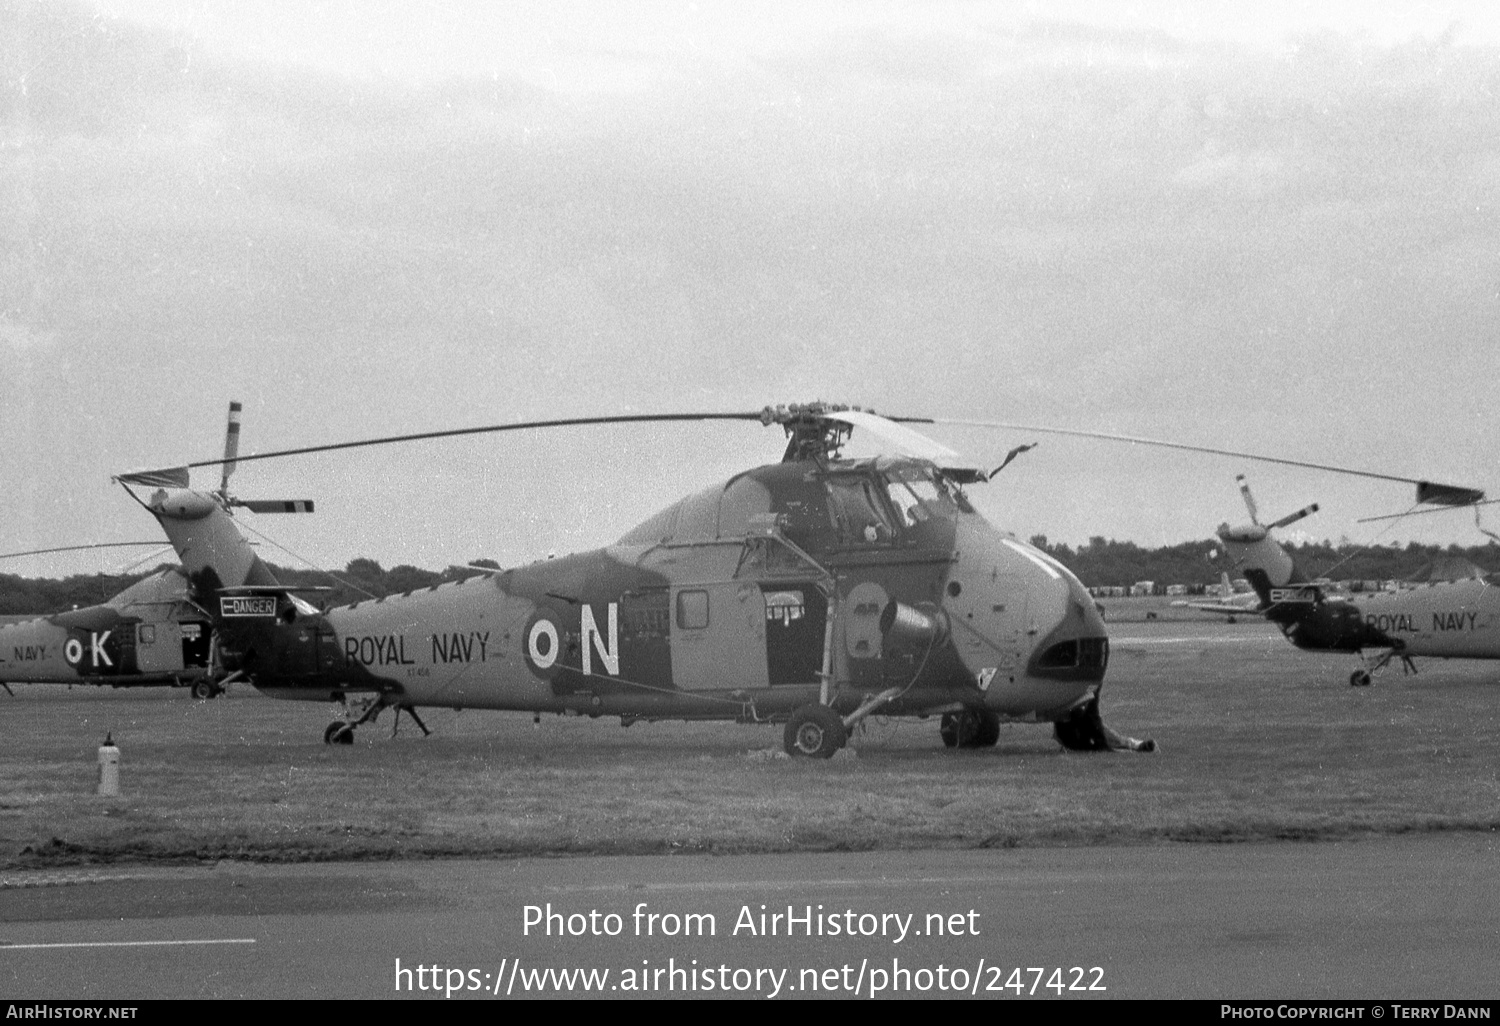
pixel 920 496
pixel 858 511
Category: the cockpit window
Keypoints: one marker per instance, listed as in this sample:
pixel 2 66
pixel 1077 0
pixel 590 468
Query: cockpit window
pixel 859 512
pixel 918 496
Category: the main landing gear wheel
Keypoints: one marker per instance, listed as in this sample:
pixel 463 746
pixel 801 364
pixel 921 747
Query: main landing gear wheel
pixel 814 732
pixel 338 733
pixel 1359 679
pixel 203 690
pixel 971 728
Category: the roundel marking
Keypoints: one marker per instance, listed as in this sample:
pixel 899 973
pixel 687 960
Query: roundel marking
pixel 541 659
pixel 73 651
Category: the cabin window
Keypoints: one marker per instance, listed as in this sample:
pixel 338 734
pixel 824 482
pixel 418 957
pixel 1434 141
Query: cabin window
pixel 658 529
pixel 744 499
pixel 692 610
pixel 147 634
pixel 1061 655
pixel 698 516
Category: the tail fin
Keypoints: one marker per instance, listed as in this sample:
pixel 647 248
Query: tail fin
pixel 214 554
pixel 1259 556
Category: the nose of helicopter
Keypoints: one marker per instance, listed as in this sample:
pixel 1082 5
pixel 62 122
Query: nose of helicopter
pixel 1025 627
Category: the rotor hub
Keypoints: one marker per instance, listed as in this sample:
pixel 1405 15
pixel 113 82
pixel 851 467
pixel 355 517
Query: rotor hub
pixel 811 434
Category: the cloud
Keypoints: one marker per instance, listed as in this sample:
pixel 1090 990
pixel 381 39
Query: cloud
pixel 20 337
pixel 1058 222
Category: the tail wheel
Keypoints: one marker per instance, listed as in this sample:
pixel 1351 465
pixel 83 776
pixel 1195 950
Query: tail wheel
pixel 338 733
pixel 204 689
pixel 1359 679
pixel 814 732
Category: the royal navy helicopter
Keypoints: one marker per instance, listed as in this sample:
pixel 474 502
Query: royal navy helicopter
pixel 1452 619
pixel 812 592
pixel 150 634
pixel 155 633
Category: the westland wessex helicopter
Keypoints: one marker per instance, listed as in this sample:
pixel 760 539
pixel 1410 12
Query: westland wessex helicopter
pixel 152 634
pixel 149 635
pixel 812 592
pixel 1445 619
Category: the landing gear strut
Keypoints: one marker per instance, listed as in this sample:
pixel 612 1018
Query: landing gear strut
pixel 412 712
pixel 364 710
pixel 1362 678
pixel 1084 731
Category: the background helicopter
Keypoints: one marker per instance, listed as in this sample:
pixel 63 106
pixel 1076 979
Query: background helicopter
pixel 1225 601
pixel 152 634
pixel 811 592
pixel 1454 619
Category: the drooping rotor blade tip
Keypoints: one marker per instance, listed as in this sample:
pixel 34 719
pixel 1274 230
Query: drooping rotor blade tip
pixel 1447 495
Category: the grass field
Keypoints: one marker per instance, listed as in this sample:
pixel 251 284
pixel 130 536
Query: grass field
pixel 1258 741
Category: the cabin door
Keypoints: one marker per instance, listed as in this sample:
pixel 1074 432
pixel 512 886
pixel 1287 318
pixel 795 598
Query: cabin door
pixel 158 647
pixel 719 637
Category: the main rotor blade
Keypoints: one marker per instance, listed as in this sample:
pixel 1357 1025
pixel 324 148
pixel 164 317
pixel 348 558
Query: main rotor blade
pixel 1420 512
pixel 1427 491
pixel 275 505
pixel 81 548
pixel 640 418
pixel 161 477
pixel 231 445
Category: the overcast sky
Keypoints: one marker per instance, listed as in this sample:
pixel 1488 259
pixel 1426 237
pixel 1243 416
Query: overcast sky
pixel 1254 225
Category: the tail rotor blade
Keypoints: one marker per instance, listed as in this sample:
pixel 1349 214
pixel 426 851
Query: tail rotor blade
pixel 276 505
pixel 1249 499
pixel 1292 518
pixel 231 445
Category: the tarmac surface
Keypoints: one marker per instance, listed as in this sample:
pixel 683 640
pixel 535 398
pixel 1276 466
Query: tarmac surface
pixel 1404 918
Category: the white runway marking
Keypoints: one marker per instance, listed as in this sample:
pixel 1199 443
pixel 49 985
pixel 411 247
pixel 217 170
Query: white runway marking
pixel 1200 640
pixel 124 944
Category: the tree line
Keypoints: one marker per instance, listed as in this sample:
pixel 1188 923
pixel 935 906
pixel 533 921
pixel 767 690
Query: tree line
pixel 1101 562
pixel 1106 562
pixel 361 579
